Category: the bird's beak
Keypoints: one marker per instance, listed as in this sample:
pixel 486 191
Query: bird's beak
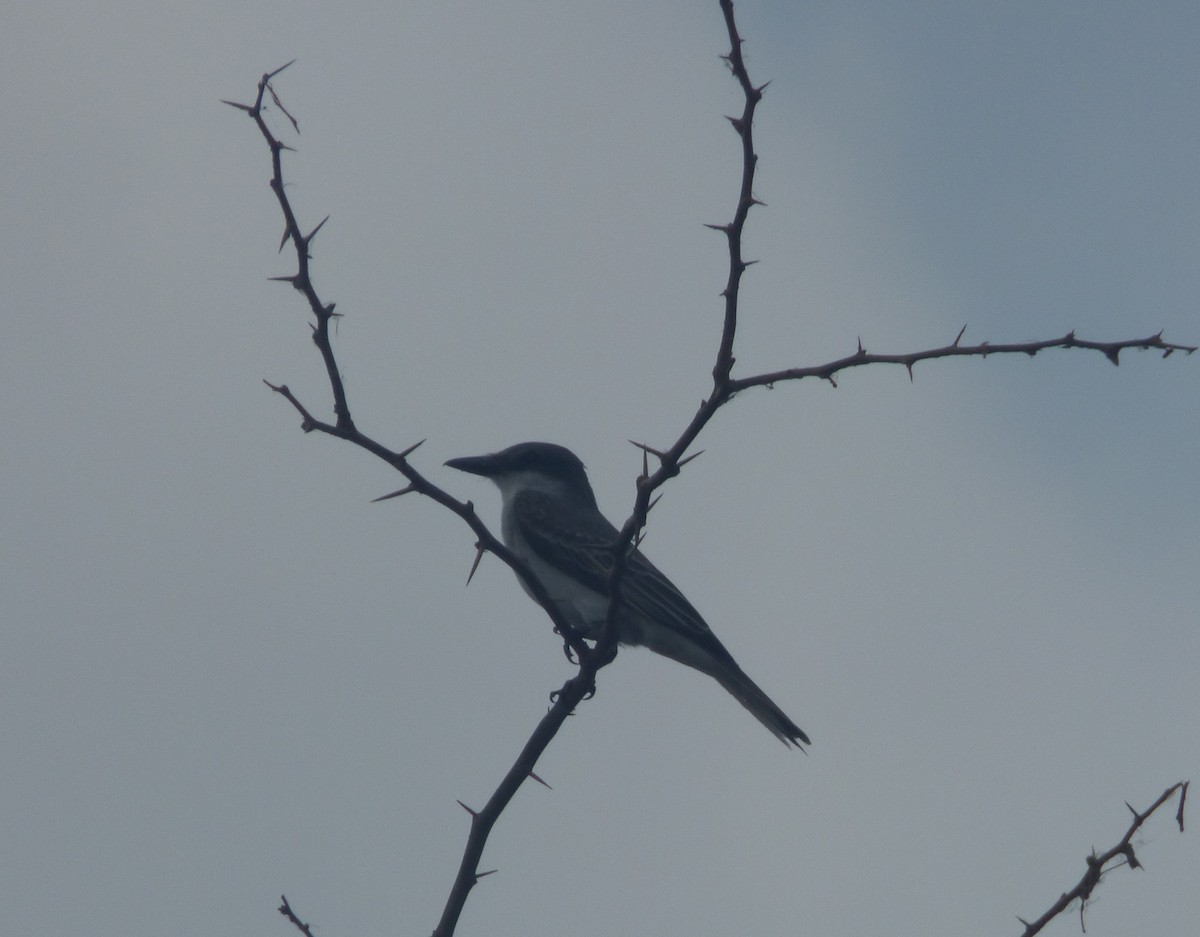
pixel 485 465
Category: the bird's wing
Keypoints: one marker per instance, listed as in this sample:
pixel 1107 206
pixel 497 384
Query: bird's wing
pixel 583 551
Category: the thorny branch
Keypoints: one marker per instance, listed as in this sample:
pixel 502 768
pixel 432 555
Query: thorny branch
pixel 670 460
pixel 574 690
pixel 343 427
pixel 1121 854
pixel 286 910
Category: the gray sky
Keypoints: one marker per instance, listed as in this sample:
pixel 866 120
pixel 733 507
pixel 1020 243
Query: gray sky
pixel 227 675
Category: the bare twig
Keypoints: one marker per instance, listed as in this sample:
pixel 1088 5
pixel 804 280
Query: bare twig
pixel 286 909
pixel 343 427
pixel 830 369
pixel 1120 854
pixel 581 685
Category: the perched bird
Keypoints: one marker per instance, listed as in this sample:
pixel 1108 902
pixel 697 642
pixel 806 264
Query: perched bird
pixel 550 520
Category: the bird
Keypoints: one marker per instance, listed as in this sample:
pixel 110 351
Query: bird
pixel 550 519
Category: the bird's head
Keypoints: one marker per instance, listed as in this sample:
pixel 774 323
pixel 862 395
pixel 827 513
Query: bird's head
pixel 537 466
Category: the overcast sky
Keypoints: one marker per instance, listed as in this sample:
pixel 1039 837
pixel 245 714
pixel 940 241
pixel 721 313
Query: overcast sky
pixel 227 675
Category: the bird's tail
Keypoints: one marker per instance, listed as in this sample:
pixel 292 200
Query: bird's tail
pixel 761 706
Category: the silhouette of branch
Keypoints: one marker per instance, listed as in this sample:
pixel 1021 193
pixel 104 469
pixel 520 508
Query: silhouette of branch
pixel 725 386
pixel 574 690
pixel 343 426
pixel 286 909
pixel 830 370
pixel 1097 865
pixel 670 460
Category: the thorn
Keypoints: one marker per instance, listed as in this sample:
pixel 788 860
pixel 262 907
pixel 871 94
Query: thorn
pixel 718 227
pixel 283 240
pixel 473 813
pixel 1131 810
pixel 645 464
pixel 958 338
pixel 645 448
pixel 241 107
pixel 761 88
pixel 540 781
pixel 860 347
pixel 479 551
pixel 395 494
pixel 755 200
pixel 290 279
pixel 1069 338
pixel 1113 355
pixel 269 75
pixel 411 449
pixel 738 124
pixel 650 507
pixel 909 365
pixel 1023 921
pixel 748 263
pixel 832 380
pixel 479 875
pixel 1167 353
pixel 279 104
pixel 695 455
pixel 313 233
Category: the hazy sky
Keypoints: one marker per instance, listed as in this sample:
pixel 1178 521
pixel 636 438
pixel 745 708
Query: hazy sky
pixel 227 675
